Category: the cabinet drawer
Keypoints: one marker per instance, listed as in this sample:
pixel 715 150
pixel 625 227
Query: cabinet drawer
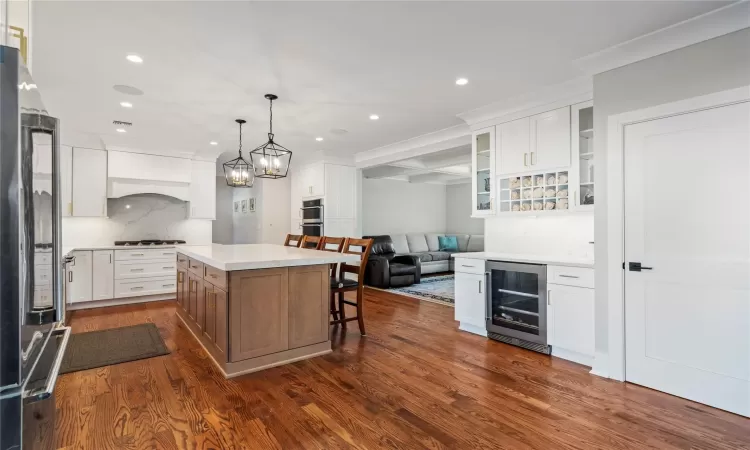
pixel 42 275
pixel 145 253
pixel 43 297
pixel 145 286
pixel 466 265
pixel 571 276
pixel 196 267
pixel 144 269
pixel 42 259
pixel 215 276
pixel 182 259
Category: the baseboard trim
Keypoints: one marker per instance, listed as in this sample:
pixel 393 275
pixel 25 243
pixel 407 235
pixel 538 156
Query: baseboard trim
pixel 469 328
pixel 118 302
pixel 571 355
pixel 601 365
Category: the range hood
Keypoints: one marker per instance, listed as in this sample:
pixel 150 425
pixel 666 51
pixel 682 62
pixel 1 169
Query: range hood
pixel 140 173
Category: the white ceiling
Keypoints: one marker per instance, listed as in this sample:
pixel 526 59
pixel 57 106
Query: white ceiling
pixel 449 166
pixel 331 63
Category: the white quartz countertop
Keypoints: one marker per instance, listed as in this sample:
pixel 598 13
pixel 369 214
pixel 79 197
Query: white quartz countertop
pixel 531 259
pixel 260 256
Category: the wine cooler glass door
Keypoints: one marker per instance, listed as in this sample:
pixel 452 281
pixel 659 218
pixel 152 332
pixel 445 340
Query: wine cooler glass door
pixel 517 301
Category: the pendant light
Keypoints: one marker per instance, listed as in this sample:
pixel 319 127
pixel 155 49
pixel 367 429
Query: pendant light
pixel 238 172
pixel 271 160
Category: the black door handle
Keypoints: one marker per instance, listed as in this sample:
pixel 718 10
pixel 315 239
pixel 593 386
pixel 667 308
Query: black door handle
pixel 637 267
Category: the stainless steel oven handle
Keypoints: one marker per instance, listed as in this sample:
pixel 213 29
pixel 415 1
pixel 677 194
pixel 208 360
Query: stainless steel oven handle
pixel 312 224
pixel 311 207
pixel 49 387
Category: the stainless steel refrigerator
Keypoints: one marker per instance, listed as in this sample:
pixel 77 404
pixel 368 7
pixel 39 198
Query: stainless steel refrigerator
pixel 33 337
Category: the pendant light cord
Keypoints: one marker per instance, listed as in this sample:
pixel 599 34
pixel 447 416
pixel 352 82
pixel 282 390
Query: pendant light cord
pixel 270 121
pixel 240 140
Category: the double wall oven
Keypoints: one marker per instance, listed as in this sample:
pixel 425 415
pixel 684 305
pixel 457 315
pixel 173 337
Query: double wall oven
pixel 312 217
pixel 517 304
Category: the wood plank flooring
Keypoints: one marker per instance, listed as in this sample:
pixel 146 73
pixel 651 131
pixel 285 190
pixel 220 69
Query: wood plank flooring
pixel 414 382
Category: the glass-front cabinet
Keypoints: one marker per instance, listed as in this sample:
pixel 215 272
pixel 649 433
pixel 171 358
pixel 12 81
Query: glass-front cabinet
pixel 483 172
pixel 582 125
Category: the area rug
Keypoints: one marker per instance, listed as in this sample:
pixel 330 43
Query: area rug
pixel 112 346
pixel 438 289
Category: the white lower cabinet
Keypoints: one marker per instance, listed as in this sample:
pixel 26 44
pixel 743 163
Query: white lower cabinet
pixel 145 286
pixel 470 296
pixel 79 277
pixel 570 316
pixel 103 275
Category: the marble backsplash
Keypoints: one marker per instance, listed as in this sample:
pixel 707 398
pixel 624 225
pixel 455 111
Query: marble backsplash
pixel 134 217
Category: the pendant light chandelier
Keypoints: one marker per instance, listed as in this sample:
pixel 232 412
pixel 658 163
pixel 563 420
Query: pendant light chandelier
pixel 238 172
pixel 271 160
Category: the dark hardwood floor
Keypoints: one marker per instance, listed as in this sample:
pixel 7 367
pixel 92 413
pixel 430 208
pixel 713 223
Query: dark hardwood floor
pixel 414 382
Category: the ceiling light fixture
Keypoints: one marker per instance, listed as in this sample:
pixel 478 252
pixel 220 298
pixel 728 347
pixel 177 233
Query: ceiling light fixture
pixel 121 130
pixel 126 104
pixel 462 81
pixel 318 138
pixel 214 143
pixel 134 59
pixel 272 159
pixel 374 117
pixel 238 172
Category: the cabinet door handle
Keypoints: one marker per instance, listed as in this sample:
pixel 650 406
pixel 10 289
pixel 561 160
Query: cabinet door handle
pixel 532 159
pixel 464 265
pixel 568 276
pixel 70 277
pixel 168 267
pixel 480 286
pixel 525 164
pixel 136 270
pixel 136 254
pixel 110 259
pixel 549 297
pixel 136 288
pixel 168 285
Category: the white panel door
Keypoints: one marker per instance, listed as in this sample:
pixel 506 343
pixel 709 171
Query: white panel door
pixel 202 190
pixel 513 147
pixel 78 280
pixel 687 218
pixel 89 182
pixel 570 318
pixel 103 275
pixel 66 180
pixel 470 299
pixel 550 140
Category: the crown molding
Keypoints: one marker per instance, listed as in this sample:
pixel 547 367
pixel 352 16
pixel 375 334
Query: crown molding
pixel 577 90
pixel 445 139
pixel 721 21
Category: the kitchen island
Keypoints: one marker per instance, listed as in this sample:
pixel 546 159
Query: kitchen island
pixel 256 306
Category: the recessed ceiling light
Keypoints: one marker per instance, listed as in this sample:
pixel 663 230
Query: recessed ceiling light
pixel 126 104
pixel 214 143
pixel 134 58
pixel 318 138
pixel 121 130
pixel 127 206
pixel 462 81
pixel 374 117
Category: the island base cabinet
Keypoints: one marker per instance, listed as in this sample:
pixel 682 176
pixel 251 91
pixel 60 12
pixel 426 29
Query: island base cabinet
pixel 264 318
pixel 259 305
pixel 308 305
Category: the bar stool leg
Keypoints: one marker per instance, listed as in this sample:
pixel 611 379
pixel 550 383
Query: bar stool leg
pixel 342 311
pixel 360 315
pixel 334 313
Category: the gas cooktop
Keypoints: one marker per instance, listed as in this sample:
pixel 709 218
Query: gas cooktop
pixel 143 242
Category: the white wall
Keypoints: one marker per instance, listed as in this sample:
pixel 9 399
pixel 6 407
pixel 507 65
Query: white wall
pixel 150 216
pixel 223 227
pixel 715 65
pixel 550 235
pixel 392 206
pixel 246 227
pixel 270 222
pixel 458 211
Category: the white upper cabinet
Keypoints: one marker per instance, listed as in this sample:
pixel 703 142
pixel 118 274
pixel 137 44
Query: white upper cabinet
pixel 550 140
pixel 313 181
pixel 202 190
pixel 582 146
pixel 483 173
pixel 89 182
pixel 513 147
pixel 141 166
pixel 340 182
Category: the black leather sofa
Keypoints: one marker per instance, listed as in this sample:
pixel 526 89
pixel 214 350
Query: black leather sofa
pixel 385 269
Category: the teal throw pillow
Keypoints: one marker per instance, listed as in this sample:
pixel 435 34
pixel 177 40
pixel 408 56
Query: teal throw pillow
pixel 448 243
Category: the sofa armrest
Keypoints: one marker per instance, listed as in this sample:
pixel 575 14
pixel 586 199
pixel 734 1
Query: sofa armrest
pixel 412 261
pixel 378 272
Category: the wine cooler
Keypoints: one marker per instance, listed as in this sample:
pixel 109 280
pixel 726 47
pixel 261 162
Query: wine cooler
pixel 517 304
